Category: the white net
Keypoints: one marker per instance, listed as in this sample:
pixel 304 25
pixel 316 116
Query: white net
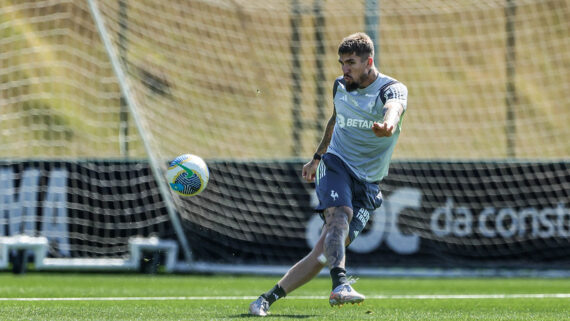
pixel 211 66
pixel 59 97
pixel 247 86
pixel 211 76
pixel 59 109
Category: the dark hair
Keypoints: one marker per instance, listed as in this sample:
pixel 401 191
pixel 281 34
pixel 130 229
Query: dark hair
pixel 358 43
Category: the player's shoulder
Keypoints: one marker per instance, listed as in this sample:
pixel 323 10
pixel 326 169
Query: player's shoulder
pixel 387 81
pixel 339 81
pixel 391 88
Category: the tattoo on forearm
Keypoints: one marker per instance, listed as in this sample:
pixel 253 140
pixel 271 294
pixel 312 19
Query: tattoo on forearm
pixel 325 141
pixel 393 114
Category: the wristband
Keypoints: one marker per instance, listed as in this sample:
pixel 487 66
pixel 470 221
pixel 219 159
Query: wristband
pixel 317 156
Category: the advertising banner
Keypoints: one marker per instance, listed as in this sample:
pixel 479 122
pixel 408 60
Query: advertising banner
pixel 434 214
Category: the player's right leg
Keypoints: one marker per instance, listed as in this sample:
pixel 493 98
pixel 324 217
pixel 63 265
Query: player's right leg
pixel 259 307
pixel 307 268
pixel 299 274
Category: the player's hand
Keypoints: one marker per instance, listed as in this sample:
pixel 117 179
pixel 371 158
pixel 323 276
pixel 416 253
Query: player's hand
pixel 382 129
pixel 310 169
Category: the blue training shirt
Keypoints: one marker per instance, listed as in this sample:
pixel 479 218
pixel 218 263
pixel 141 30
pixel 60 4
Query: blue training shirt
pixel 353 140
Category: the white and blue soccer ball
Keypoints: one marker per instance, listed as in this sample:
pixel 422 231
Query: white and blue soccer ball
pixel 188 175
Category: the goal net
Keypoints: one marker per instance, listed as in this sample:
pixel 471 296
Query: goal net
pixel 110 91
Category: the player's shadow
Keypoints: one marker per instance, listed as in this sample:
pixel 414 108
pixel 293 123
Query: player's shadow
pixel 290 316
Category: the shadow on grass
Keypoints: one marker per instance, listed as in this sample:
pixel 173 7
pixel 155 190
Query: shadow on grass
pixel 286 316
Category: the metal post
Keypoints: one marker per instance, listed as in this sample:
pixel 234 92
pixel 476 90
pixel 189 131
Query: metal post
pixel 371 23
pixel 511 94
pixel 154 163
pixel 295 46
pixel 123 112
pixel 320 78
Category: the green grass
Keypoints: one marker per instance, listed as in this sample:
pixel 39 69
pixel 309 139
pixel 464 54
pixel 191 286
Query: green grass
pixel 191 297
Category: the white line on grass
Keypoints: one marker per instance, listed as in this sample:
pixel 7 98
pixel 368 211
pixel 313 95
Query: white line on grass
pixel 384 297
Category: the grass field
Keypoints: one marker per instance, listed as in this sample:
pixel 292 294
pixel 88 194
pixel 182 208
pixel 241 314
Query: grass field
pixel 52 296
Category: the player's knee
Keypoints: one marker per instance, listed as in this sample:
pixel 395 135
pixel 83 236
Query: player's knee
pixel 347 212
pixel 339 218
pixel 322 259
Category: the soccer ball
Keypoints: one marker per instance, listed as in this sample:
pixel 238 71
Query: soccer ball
pixel 188 175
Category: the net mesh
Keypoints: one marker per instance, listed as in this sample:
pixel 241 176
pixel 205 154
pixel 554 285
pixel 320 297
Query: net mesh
pixel 249 82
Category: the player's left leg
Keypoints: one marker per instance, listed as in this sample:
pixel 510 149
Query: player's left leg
pixel 344 293
pixel 338 237
pixel 337 223
pixel 307 268
pixel 368 198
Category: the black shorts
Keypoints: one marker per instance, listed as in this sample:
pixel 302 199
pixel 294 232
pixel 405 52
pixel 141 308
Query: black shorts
pixel 337 185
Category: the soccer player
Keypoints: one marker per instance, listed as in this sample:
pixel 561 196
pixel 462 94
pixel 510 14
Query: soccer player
pixel 350 161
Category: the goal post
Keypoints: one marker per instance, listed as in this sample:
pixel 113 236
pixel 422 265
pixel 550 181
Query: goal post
pixel 97 96
pixel 155 165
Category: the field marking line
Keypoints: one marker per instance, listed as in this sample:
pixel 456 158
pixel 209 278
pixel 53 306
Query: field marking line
pixel 474 296
pixel 382 297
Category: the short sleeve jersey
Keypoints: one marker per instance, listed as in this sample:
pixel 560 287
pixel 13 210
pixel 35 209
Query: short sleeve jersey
pixel 353 140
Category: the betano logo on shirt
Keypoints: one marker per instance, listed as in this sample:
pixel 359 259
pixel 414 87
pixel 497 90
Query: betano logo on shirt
pixel 353 122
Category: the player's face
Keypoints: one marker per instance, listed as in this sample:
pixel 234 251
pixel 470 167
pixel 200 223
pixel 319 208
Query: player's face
pixel 355 70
